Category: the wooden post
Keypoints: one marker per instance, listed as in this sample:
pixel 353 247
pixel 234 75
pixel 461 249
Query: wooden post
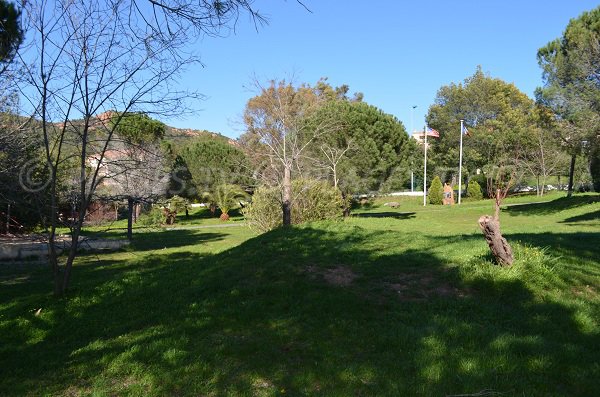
pixel 8 220
pixel 129 218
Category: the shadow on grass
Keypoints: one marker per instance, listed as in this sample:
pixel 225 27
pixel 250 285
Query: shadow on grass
pixel 203 214
pixel 560 204
pixel 590 216
pixel 576 253
pixel 157 239
pixel 268 318
pixel 386 214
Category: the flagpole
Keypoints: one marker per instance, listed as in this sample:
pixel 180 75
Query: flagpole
pixel 460 161
pixel 425 170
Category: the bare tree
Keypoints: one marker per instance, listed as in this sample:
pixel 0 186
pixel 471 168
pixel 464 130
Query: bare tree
pixel 135 173
pixel 87 57
pixel 334 155
pixel 279 130
pixel 543 157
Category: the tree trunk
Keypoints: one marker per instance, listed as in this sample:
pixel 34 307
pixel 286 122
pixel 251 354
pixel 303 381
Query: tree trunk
pixel 497 201
pixel 287 196
pixel 498 244
pixel 335 178
pixel 129 218
pixel 571 174
pixel 8 220
pixel 136 211
pixel 70 259
pixel 347 205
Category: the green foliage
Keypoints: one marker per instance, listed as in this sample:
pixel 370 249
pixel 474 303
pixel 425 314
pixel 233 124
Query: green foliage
pixel 436 191
pixel 474 190
pixel 312 200
pixel 22 165
pixel 137 128
pixel 498 116
pixel 571 81
pixel 178 204
pixel 264 213
pixel 595 167
pixel 11 34
pixel 228 197
pixel 212 161
pixel 570 66
pixel 153 218
pixel 380 151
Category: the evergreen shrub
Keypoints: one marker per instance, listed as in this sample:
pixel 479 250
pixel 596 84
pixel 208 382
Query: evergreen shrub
pixel 436 191
pixel 312 200
pixel 474 191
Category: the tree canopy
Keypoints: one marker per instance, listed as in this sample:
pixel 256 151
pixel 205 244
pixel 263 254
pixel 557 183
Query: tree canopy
pixel 498 116
pixel 11 33
pixel 378 147
pixel 211 162
pixel 571 74
pixel 137 128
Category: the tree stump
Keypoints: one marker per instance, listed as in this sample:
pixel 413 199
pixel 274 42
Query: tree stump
pixel 498 244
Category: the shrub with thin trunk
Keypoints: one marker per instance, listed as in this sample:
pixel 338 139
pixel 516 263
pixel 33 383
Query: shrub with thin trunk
pixel 312 200
pixel 154 218
pixel 474 191
pixel 178 204
pixel 436 191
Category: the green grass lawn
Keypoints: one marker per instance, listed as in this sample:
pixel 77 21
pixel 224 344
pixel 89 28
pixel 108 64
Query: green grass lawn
pixel 393 302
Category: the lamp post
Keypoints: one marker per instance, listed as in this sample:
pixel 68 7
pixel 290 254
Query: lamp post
pixel 460 160
pixel 425 170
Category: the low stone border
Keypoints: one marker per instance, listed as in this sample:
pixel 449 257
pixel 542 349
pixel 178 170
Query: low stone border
pixel 24 249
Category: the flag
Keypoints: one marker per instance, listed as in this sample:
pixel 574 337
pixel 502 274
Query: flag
pixel 465 131
pixel 432 132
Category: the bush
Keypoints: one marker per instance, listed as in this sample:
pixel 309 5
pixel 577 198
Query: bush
pixel 178 204
pixel 311 200
pixel 474 191
pixel 154 218
pixel 482 181
pixel 436 191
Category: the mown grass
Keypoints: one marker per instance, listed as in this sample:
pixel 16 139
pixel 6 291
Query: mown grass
pixel 391 302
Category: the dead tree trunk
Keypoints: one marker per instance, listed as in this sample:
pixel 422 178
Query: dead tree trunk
pixel 498 244
pixel 490 226
pixel 287 196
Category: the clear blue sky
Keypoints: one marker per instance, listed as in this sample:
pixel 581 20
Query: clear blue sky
pixel 398 53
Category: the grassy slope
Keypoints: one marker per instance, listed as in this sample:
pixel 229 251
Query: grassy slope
pixel 220 312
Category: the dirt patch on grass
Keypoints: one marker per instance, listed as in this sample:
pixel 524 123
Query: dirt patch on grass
pixel 585 291
pixel 340 276
pixel 421 286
